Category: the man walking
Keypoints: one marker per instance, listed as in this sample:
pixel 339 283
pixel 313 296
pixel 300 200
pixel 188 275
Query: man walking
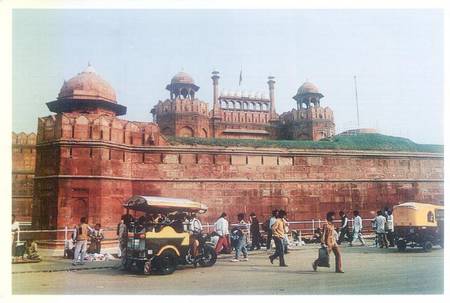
pixel 272 220
pixel 122 234
pixel 81 236
pixel 221 228
pixel 278 230
pixel 357 228
pixel 380 223
pixel 240 233
pixel 390 228
pixel 255 233
pixel 344 227
pixel 329 241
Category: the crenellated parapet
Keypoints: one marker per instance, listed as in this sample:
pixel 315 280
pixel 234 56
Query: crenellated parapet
pixel 316 113
pixel 181 106
pixel 76 126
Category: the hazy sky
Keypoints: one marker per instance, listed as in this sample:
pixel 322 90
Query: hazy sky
pixel 397 56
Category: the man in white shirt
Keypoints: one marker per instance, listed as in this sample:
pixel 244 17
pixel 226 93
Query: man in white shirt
pixel 272 220
pixel 221 229
pixel 195 228
pixel 390 228
pixel 15 229
pixel 357 228
pixel 380 223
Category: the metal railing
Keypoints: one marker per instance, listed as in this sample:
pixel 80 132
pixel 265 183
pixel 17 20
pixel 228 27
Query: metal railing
pixel 304 227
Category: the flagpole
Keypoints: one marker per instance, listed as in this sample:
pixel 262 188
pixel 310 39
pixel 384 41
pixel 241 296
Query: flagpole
pixel 356 97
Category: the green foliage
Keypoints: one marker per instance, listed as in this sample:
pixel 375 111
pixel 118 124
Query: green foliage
pixel 339 142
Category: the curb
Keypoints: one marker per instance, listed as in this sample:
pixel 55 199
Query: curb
pixel 60 270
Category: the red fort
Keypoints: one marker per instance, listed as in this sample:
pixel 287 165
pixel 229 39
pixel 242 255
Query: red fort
pixel 88 160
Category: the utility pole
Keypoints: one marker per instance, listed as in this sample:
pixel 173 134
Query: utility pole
pixel 356 97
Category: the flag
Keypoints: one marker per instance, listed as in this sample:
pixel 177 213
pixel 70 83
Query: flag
pixel 240 78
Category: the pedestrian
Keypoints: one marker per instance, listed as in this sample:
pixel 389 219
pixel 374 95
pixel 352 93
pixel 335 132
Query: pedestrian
pixel 278 231
pixel 15 229
pixel 80 237
pixel 286 238
pixel 390 228
pixel 380 223
pixel 344 230
pixel 270 222
pixel 97 237
pixel 254 232
pixel 221 229
pixel 329 241
pixel 195 230
pixel 122 235
pixel 240 235
pixel 119 252
pixel 357 228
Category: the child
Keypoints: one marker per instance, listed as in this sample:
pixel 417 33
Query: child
pixel 32 250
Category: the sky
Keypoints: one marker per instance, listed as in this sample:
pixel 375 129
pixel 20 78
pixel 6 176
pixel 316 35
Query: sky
pixel 397 56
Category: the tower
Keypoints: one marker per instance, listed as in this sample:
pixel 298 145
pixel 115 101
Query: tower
pixel 309 121
pixel 182 115
pixel 271 83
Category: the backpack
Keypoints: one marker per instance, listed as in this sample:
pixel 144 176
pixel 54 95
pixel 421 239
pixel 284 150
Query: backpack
pixel 235 235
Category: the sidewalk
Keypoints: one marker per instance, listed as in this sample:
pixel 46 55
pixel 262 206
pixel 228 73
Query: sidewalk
pixel 54 264
pixel 52 261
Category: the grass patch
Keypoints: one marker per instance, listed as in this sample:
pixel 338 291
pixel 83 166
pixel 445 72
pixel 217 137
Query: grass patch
pixel 339 142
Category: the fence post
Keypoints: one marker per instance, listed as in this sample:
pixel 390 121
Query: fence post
pixel 313 226
pixel 18 236
pixel 65 236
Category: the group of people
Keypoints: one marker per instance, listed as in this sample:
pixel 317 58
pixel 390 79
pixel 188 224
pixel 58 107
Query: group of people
pixel 383 224
pixel 21 248
pixel 277 230
pixel 82 233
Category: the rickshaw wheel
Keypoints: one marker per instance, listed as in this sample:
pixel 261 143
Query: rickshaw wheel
pixel 427 246
pixel 209 257
pixel 165 263
pixel 147 268
pixel 401 245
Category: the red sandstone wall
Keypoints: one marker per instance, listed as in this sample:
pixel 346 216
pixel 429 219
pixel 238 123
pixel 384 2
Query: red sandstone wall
pixel 89 165
pixel 23 164
pixel 306 184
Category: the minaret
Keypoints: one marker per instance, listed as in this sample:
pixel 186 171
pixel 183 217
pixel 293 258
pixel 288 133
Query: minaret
pixel 271 83
pixel 216 106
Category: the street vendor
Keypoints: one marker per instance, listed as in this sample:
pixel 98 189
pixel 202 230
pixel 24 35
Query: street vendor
pixel 96 239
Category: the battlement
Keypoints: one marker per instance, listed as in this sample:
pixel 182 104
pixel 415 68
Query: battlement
pixel 97 127
pixel 180 105
pixel 311 113
pixel 23 138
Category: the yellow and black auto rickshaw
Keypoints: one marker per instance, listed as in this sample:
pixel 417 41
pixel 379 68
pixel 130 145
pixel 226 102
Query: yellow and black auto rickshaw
pixel 418 225
pixel 159 235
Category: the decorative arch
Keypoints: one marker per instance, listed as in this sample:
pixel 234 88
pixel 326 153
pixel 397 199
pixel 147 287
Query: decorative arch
pixel 186 131
pixel 204 133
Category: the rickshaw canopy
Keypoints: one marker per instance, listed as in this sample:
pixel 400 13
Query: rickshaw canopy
pixel 152 204
pixel 417 214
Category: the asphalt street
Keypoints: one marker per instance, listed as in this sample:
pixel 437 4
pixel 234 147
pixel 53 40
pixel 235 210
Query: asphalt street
pixel 367 271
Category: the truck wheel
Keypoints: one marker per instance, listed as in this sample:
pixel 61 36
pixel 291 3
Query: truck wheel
pixel 166 263
pixel 401 245
pixel 427 246
pixel 209 257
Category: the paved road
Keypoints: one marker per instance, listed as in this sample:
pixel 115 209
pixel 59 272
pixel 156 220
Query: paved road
pixel 367 271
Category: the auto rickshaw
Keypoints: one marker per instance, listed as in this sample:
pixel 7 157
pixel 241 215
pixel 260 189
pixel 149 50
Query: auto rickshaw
pixel 418 225
pixel 161 238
